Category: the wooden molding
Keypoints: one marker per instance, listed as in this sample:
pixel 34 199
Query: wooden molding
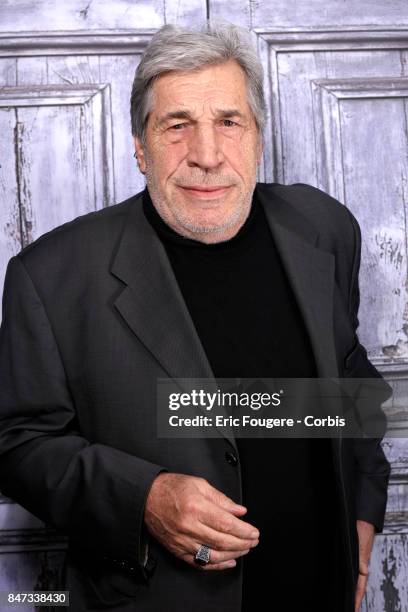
pixel 97 42
pixel 95 100
pixel 23 540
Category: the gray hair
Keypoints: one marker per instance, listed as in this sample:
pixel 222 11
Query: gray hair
pixel 178 48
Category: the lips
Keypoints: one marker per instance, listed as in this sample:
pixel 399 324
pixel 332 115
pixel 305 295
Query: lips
pixel 205 192
pixel 202 188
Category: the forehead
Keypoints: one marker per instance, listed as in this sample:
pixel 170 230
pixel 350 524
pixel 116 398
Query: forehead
pixel 218 84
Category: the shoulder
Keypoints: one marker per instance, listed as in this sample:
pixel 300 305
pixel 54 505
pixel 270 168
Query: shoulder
pixel 317 205
pixel 82 239
pixel 331 218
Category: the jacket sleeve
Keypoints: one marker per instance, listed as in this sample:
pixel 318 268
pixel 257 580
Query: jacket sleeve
pixel 373 468
pixel 93 492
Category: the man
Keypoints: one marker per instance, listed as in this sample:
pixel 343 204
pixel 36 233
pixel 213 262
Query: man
pixel 205 273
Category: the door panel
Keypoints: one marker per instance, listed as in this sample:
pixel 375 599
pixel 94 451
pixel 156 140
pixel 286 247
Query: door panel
pixel 336 81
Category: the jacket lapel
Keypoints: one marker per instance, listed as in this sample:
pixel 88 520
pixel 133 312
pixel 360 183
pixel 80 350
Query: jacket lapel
pixel 310 272
pixel 153 307
pixel 152 304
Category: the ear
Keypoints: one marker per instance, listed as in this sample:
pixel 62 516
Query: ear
pixel 140 156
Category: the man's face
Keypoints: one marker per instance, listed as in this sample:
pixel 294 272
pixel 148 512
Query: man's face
pixel 201 151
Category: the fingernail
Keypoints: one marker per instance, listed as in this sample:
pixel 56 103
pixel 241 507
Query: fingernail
pixel 254 534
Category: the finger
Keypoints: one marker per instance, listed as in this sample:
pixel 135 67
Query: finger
pixel 209 566
pixel 217 557
pixel 219 566
pixel 222 541
pixel 226 523
pixel 239 510
pixel 222 500
pixel 363 567
pixel 360 590
pixel 213 566
pixel 190 545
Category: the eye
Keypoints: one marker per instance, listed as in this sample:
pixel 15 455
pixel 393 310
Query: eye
pixel 228 123
pixel 178 126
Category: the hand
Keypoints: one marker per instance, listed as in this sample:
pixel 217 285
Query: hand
pixel 183 512
pixel 366 534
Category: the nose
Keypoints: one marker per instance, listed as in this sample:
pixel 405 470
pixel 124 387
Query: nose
pixel 204 148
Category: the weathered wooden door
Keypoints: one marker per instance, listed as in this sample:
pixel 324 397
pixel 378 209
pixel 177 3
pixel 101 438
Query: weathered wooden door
pixel 336 81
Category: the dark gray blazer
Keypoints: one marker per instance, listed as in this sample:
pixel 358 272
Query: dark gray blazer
pixel 92 316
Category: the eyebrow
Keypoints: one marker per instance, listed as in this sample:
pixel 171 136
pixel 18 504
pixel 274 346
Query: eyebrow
pixel 178 114
pixel 226 113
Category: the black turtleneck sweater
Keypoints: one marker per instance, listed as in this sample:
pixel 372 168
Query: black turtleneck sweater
pixel 250 326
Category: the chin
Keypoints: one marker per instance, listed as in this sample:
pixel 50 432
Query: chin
pixel 210 220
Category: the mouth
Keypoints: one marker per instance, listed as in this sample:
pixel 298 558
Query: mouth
pixel 206 193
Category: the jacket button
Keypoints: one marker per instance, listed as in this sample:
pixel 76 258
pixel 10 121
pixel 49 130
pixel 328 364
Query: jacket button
pixel 231 458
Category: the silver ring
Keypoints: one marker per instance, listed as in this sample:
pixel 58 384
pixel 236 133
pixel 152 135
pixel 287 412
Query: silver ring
pixel 202 556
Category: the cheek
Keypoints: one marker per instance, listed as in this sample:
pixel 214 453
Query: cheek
pixel 243 160
pixel 244 147
pixel 168 160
